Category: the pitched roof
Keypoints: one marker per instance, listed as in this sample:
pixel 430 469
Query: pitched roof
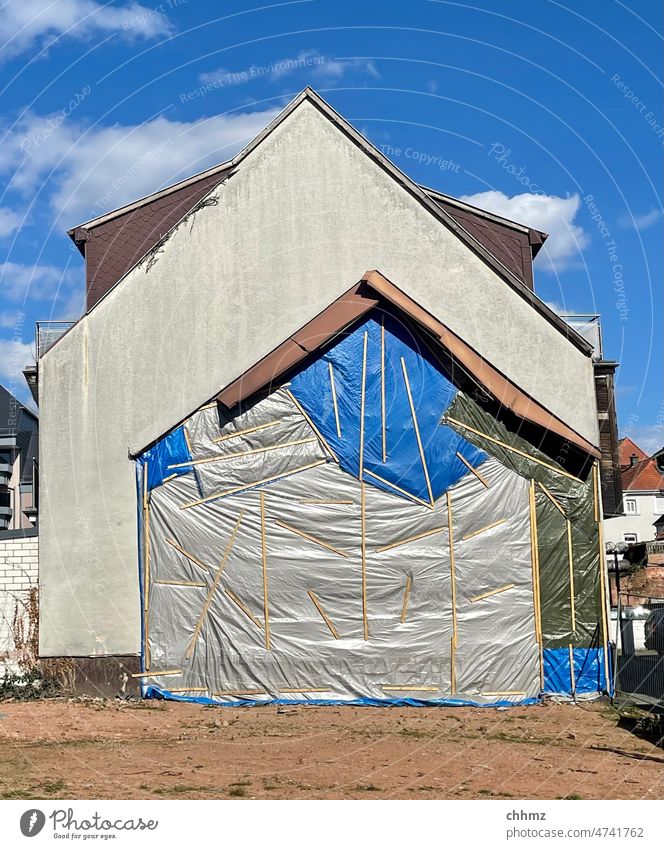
pixel 626 449
pixel 364 296
pixel 435 207
pixel 11 410
pixel 643 477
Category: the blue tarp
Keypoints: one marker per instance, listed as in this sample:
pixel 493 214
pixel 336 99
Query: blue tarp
pixel 589 675
pixel 171 450
pixel 432 393
pixel 152 692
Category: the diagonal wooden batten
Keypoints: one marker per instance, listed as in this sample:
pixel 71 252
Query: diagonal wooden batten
pixel 311 424
pixel 180 583
pixel 406 540
pixel 311 538
pixel 334 400
pixel 417 430
pixel 473 470
pixel 213 588
pixel 185 430
pixel 450 530
pixel 382 389
pixel 266 606
pixel 237 693
pixel 246 486
pixel 363 510
pixel 399 489
pixel 525 454
pixel 170 477
pixel 504 693
pixel 485 528
pixel 146 566
pixel 189 556
pixel 602 579
pixel 243 607
pixel 453 681
pixel 536 579
pixel 156 673
pixel 406 596
pixel 570 558
pixel 219 458
pixel 493 592
pixel 246 431
pixel 324 615
pixel 362 403
pixel 551 498
pixel 595 493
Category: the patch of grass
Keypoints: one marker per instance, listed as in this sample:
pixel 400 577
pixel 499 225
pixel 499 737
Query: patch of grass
pixel 53 786
pixel 414 733
pixel 237 791
pixel 575 796
pixel 179 789
pixel 495 794
pixel 366 788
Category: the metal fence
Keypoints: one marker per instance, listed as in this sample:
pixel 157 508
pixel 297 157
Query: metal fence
pixel 639 656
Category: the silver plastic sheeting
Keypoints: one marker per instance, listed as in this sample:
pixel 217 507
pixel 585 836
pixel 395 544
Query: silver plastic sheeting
pixel 318 586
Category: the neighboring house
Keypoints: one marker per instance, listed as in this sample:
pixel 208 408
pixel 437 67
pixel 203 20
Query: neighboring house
pixel 270 473
pixel 19 428
pixel 643 495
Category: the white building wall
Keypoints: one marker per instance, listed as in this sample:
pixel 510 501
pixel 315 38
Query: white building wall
pixel 18 576
pixel 649 505
pixel 306 214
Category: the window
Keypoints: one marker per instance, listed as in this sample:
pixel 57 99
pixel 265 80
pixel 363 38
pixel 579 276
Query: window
pixel 630 506
pixel 630 537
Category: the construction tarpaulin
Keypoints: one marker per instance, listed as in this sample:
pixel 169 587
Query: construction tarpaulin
pixel 348 537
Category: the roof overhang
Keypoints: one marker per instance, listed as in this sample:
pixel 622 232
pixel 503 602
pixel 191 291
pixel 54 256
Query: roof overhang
pixel 356 302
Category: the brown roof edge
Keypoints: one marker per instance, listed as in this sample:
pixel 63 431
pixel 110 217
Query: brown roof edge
pixel 352 305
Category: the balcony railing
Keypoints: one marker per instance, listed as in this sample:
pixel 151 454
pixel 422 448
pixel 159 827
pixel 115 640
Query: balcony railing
pixel 47 334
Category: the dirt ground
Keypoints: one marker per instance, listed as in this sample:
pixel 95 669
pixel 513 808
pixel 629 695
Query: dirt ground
pixel 66 749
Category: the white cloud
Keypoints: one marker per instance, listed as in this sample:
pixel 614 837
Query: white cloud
pixel 36 282
pixel 641 222
pixel 14 357
pixel 550 213
pixel 9 221
pixel 100 169
pixel 316 68
pixel 333 70
pixel 31 25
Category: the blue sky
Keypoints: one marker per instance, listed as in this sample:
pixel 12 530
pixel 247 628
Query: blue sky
pixel 546 112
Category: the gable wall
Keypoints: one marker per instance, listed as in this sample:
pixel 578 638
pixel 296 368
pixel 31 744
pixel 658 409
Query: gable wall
pixel 304 217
